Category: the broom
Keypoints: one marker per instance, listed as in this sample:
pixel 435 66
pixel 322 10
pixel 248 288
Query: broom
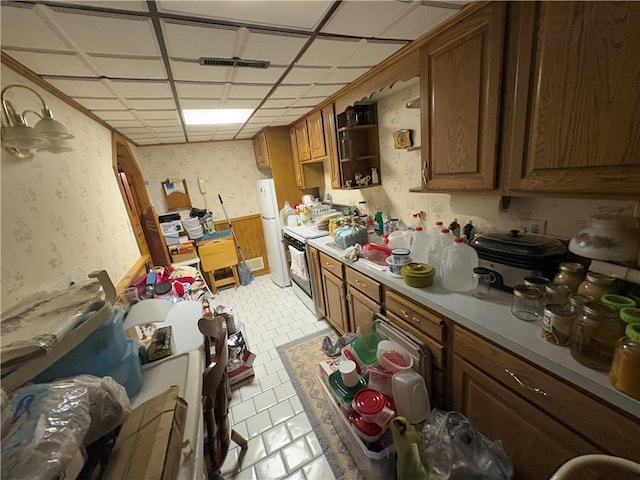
pixel 244 272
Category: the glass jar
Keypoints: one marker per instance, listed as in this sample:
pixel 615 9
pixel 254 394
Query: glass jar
pixel 595 336
pixel 570 274
pixel 577 301
pixel 625 367
pixel 557 323
pixel 596 285
pixel 536 282
pixel 527 303
pixel 554 293
pixel 482 279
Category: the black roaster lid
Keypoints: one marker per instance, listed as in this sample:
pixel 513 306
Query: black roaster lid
pixel 520 244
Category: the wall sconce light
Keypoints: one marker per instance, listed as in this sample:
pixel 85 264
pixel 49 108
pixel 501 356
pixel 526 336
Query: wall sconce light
pixel 48 135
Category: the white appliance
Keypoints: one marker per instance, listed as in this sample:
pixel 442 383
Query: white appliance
pixel 278 267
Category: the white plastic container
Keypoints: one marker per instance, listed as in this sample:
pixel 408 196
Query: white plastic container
pixel 458 262
pixel 434 252
pixel 421 242
pixel 400 239
pixel 435 230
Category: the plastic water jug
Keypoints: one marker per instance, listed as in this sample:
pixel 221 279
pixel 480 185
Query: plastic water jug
pixel 434 252
pixel 400 239
pixel 458 262
pixel 435 230
pixel 421 241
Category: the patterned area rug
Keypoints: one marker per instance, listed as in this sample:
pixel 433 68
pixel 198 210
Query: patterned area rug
pixel 301 358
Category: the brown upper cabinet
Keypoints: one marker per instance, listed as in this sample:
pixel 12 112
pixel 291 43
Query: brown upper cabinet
pixel 261 150
pixel 460 83
pixel 575 100
pixel 302 141
pixel 315 129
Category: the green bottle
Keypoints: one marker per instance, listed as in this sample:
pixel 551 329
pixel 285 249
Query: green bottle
pixel 379 223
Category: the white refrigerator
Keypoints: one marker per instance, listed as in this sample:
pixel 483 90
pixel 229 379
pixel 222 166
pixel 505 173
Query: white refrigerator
pixel 271 226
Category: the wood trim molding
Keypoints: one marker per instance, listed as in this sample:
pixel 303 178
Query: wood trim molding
pixel 137 269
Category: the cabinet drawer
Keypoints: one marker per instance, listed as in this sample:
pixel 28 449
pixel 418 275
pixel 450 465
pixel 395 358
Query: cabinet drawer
pixel 417 316
pixel 436 349
pixel 613 431
pixel 366 285
pixel 331 265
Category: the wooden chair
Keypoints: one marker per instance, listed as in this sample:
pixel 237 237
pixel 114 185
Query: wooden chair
pixel 215 403
pixel 218 254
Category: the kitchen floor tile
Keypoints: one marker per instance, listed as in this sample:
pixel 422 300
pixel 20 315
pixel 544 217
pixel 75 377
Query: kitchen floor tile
pixel 313 444
pixel 319 469
pixel 296 455
pixel 284 391
pixel 299 425
pixel 271 468
pixel 276 438
pixel 230 465
pixel 296 404
pixel 258 424
pixel 281 412
pixel 264 400
pixel 270 381
pixel 274 365
pixel 255 452
pixel 284 376
pixel 297 475
pixel 250 389
pixel 246 474
pixel 241 428
pixel 243 410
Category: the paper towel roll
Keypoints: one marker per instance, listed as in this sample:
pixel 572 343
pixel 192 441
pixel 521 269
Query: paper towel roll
pixel 349 373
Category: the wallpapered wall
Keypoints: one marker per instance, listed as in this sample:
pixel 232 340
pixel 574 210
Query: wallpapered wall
pixel 62 215
pixel 228 169
pixel 400 170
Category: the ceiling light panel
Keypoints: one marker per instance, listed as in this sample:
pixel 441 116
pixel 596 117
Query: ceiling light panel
pixel 52 63
pixel 373 17
pixel 328 52
pixel 306 75
pixel 81 88
pixel 299 15
pixel 190 41
pixel 344 75
pixel 93 33
pixel 248 91
pixel 129 89
pixel 24 26
pixel 215 116
pixel 119 67
pixel 371 53
pixel 199 90
pixel 277 49
pixel 152 104
pixel 419 21
pixel 290 91
pixel 253 75
pixel 193 71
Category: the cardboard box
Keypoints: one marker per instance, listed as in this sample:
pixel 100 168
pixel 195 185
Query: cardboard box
pixel 149 445
pixel 182 257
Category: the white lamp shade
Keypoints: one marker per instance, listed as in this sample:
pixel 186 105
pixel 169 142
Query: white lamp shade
pixel 52 129
pixel 56 146
pixel 22 137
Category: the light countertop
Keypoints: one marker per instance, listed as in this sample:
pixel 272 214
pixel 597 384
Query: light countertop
pixel 493 320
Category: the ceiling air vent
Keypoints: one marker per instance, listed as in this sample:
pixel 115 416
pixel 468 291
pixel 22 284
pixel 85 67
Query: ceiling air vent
pixel 232 62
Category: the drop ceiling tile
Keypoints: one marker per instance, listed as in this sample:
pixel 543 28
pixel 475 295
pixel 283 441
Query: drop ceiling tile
pixel 93 33
pixel 248 91
pixel 306 75
pixel 190 41
pixel 199 90
pixel 135 130
pixel 200 103
pixel 25 27
pixel 281 123
pixel 121 67
pixel 81 88
pixel 328 52
pixel 52 63
pixel 153 104
pixel 297 111
pixel 172 139
pixel 142 89
pixel 267 119
pixel 277 49
pixel 167 130
pixel 158 114
pixel 324 90
pixel 290 91
pixel 125 123
pixel 308 101
pixel 241 103
pixel 289 118
pixel 244 136
pixel 418 21
pixel 163 123
pixel 108 115
pixel 344 75
pixel 371 53
pixel 138 136
pixel 254 75
pixel 278 102
pixel 223 136
pixel 192 70
pixel 146 142
pixel 100 103
pixel 299 15
pixel 133 5
pixel 372 17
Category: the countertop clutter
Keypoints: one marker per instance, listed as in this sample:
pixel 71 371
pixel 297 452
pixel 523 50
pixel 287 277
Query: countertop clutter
pixel 492 319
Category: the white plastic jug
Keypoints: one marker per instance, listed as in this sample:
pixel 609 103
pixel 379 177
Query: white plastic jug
pixel 421 242
pixel 400 239
pixel 458 262
pixel 435 230
pixel 434 252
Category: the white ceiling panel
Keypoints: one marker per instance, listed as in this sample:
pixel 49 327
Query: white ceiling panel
pixel 200 103
pixel 278 102
pixel 146 142
pixel 187 71
pixel 25 27
pixel 167 130
pixel 153 104
pixel 373 17
pixel 248 91
pixel 191 41
pixel 93 33
pixel 417 22
pixel 254 75
pixel 277 49
pixel 101 103
pixel 241 103
pixel 119 67
pixel 172 139
pixel 142 89
pixel 297 110
pixel 81 88
pixel 306 75
pixel 371 53
pixel 163 123
pixel 344 75
pixel 270 112
pixel 223 136
pixel 324 90
pixel 301 15
pixel 328 51
pixel 199 90
pixel 288 118
pixel 201 129
pixel 53 63
pixel 290 91
pixel 281 123
pixel 135 5
pixel 108 115
pixel 125 123
pixel 308 101
pixel 158 114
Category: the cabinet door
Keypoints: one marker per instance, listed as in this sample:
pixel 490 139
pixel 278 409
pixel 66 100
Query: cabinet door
pixel 536 444
pixel 296 160
pixel 302 141
pixel 361 309
pixel 460 87
pixel 261 150
pixel 316 135
pixel 335 302
pixel 575 127
pixel 316 280
pixel 328 114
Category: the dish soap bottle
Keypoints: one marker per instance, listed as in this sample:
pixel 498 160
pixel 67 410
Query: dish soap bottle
pixel 285 212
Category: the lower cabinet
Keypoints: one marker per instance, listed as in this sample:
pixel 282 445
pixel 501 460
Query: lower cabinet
pixel 361 309
pixel 335 302
pixel 316 282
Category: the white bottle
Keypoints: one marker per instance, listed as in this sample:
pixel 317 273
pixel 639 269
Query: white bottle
pixel 374 176
pixel 458 262
pixel 438 244
pixel 421 242
pixel 435 230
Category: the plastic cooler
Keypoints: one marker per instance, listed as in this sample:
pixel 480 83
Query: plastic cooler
pixel 372 465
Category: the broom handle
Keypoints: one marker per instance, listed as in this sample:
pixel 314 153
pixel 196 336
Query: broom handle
pixel 233 234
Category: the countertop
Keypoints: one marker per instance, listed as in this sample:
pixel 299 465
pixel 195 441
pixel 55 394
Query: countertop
pixel 492 319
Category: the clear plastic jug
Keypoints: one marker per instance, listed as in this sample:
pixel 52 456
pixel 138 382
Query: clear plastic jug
pixel 458 262
pixel 421 242
pixel 434 252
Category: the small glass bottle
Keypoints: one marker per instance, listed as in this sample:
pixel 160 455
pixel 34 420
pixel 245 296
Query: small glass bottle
pixel 625 367
pixel 596 285
pixel 482 278
pixel 577 301
pixel 527 303
pixel 554 293
pixel 346 146
pixel 570 274
pixel 374 176
pixel 595 336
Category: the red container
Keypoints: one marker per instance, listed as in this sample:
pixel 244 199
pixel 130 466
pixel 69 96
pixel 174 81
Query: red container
pixel 376 253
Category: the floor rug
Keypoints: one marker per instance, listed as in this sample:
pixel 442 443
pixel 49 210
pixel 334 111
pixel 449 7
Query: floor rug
pixel 301 358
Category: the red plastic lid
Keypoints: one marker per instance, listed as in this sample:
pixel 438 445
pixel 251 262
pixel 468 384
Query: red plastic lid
pixel 370 429
pixel 351 356
pixel 377 248
pixel 369 401
pixel 439 223
pixel 418 228
pixel 445 230
pixel 458 240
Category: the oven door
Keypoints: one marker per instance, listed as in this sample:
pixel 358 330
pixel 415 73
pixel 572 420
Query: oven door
pixel 297 260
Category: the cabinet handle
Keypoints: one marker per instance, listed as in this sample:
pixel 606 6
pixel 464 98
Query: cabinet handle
pixel 424 173
pixel 406 315
pixel 363 285
pixel 524 385
pixel 328 265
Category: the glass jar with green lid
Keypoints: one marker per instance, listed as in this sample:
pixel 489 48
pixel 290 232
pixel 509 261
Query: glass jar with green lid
pixel 630 315
pixel 617 301
pixel 570 274
pixel 595 335
pixel 596 285
pixel 625 367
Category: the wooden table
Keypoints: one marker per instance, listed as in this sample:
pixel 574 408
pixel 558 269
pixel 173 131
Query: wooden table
pixel 217 254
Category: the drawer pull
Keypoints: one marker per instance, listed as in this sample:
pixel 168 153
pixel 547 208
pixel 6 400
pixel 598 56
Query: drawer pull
pixel 406 315
pixel 524 385
pixel 328 265
pixel 363 285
